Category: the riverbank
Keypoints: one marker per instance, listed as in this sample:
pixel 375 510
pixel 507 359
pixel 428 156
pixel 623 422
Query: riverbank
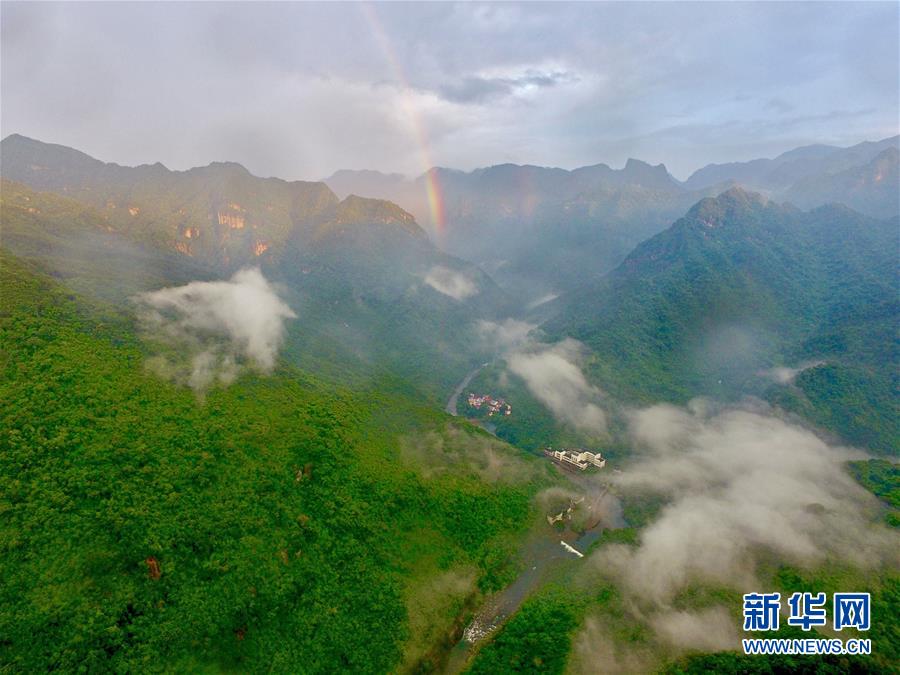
pixel 546 551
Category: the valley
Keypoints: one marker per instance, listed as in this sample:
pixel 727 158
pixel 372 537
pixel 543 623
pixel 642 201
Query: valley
pixel 483 338
pixel 238 403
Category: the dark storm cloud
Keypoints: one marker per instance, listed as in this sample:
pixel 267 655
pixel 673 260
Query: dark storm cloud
pixel 300 90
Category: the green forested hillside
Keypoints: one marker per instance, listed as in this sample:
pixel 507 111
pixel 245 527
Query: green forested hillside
pixel 80 246
pixel 276 524
pixel 219 214
pixel 358 282
pixel 739 287
pixel 882 478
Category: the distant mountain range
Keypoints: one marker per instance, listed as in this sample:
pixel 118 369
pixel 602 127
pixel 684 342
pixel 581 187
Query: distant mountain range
pixel 537 229
pixel 780 173
pixel 543 230
pixel 218 214
pixel 869 188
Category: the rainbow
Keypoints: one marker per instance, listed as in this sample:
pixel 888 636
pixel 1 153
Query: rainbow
pixel 433 192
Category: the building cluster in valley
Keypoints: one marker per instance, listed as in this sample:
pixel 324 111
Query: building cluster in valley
pixel 576 458
pixel 494 406
pixel 568 458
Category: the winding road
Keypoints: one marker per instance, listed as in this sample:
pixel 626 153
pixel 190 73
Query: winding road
pixel 454 398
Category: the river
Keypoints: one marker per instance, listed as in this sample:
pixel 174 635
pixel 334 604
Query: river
pixel 544 551
pixel 541 555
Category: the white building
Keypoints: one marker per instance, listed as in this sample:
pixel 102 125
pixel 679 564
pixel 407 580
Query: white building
pixel 580 459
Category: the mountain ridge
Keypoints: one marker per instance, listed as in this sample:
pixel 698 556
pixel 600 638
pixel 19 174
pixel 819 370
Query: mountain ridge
pixel 220 212
pixel 375 292
pixel 780 172
pixel 743 284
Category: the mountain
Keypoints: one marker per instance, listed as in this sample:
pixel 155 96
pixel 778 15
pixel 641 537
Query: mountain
pixel 320 513
pixel 500 191
pixel 78 244
pixel 740 287
pixel 778 175
pixel 374 290
pixel 756 172
pixel 540 231
pixel 536 230
pixel 219 214
pixel 276 523
pixel 872 188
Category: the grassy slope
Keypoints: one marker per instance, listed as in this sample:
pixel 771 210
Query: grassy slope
pixel 284 529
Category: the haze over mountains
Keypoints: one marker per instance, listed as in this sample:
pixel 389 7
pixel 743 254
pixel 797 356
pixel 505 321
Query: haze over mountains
pixel 586 220
pixel 309 502
pixel 371 281
pixel 604 337
pixel 368 279
pixel 789 167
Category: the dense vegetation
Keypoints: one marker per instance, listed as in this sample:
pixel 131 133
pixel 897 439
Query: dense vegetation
pixel 882 478
pixel 327 515
pixel 740 286
pixel 270 526
pixel 78 244
pixel 356 269
pixel 537 639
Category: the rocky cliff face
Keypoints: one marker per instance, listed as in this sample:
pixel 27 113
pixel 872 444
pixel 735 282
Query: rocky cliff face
pixel 219 214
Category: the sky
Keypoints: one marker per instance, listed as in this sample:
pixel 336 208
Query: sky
pixel 301 90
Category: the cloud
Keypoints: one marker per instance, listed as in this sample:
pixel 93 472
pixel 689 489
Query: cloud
pixel 542 300
pixel 550 372
pixel 786 375
pixel 479 89
pixel 505 335
pixel 779 105
pixel 484 84
pixel 741 484
pixel 552 375
pixel 450 282
pixel 711 629
pixel 207 329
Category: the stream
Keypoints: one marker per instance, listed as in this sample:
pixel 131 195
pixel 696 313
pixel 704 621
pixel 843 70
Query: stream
pixel 546 549
pixel 542 554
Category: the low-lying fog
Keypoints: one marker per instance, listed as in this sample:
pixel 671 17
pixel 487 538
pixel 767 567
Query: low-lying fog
pixel 740 482
pixel 208 329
